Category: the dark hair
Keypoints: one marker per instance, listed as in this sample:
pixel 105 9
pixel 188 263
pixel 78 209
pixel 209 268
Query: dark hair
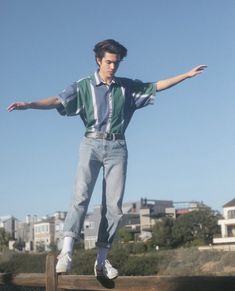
pixel 110 46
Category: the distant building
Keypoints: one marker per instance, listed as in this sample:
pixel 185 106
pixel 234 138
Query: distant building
pixel 8 223
pixel 138 218
pixel 25 232
pixel 131 219
pixel 44 234
pixel 227 225
pixel 48 231
pixel 151 211
pixel 188 206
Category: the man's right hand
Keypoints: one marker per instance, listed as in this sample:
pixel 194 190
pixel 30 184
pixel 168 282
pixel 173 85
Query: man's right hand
pixel 18 106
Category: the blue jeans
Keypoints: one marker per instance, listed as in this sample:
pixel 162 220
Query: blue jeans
pixel 94 155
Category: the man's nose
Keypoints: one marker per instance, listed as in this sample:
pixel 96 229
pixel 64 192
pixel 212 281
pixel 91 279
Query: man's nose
pixel 113 66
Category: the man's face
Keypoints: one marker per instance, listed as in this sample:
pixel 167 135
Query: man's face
pixel 108 65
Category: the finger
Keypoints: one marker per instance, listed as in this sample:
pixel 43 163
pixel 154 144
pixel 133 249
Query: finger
pixel 201 67
pixel 11 107
pixel 14 106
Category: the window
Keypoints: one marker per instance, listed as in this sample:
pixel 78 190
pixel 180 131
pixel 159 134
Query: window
pixel 231 214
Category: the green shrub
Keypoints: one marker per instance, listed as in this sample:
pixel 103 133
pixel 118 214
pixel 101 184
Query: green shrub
pixel 139 265
pixel 125 257
pixel 24 263
pixel 83 262
pixel 118 255
pixel 139 248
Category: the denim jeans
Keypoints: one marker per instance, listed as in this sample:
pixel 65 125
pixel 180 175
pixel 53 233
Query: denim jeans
pixel 95 154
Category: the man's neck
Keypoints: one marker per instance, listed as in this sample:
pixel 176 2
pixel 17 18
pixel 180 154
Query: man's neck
pixel 106 80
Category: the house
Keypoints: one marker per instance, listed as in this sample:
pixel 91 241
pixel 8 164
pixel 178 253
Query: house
pixel 44 234
pixel 227 225
pixel 150 211
pixel 48 232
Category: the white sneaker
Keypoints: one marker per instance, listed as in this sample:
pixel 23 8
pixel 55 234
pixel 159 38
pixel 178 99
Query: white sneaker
pixel 107 271
pixel 64 263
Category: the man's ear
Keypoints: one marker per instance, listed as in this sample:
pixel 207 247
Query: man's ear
pixel 98 61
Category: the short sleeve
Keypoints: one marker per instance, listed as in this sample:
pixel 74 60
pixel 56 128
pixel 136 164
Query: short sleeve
pixel 143 93
pixel 70 100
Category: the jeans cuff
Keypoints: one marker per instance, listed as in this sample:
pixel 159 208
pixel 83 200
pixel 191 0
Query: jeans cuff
pixel 71 234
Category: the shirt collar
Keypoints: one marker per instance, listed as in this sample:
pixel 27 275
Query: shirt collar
pixel 98 81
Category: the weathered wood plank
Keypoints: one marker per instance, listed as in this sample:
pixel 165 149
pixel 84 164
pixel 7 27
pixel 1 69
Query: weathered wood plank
pixel 32 279
pixel 148 283
pixel 135 283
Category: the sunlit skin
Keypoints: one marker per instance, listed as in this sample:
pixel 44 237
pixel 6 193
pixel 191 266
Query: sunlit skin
pixel 167 83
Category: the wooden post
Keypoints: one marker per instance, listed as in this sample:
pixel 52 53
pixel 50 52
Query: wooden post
pixel 51 276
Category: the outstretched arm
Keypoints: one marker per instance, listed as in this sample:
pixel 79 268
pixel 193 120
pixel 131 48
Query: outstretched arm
pixel 48 103
pixel 167 83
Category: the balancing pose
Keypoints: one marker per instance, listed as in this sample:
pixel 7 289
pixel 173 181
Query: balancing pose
pixel 105 104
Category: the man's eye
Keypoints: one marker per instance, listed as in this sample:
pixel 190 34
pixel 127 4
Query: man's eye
pixel 115 63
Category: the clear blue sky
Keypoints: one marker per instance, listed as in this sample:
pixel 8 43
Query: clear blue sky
pixel 182 148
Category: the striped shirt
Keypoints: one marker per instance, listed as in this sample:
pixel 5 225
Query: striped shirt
pixel 105 108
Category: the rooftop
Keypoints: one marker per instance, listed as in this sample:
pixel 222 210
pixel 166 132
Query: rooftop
pixel 230 203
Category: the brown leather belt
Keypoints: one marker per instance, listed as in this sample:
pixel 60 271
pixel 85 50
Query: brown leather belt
pixel 104 135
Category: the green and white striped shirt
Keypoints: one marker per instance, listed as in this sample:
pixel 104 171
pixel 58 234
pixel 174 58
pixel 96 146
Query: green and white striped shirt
pixel 105 108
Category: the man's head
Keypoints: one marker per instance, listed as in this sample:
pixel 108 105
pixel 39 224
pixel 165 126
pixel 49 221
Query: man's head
pixel 108 55
pixel 109 46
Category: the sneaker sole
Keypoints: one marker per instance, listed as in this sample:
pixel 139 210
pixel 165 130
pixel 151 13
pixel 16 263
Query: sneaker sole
pixel 102 275
pixel 62 270
pixel 111 278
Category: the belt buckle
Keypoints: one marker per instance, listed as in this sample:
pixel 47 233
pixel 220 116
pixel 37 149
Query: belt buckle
pixel 109 136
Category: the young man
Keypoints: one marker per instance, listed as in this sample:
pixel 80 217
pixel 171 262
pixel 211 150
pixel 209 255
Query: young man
pixel 105 104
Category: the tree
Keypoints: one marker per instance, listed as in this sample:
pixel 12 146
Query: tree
pixel 162 232
pixel 196 227
pixel 124 235
pixel 4 239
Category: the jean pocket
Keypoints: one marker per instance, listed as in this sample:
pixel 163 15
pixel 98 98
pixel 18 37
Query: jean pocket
pixel 120 143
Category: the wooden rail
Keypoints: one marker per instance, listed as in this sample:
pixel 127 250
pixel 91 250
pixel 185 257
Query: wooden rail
pixel 53 282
